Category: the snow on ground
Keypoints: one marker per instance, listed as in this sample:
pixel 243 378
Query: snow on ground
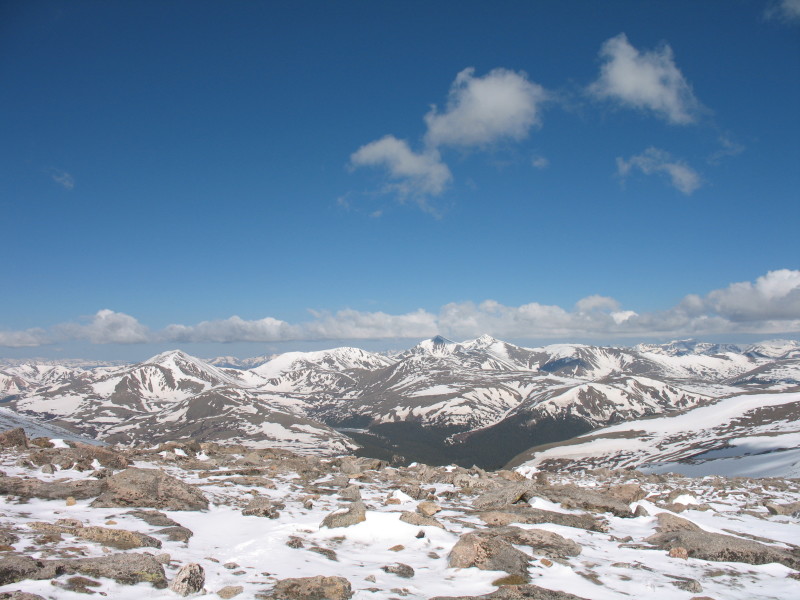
pixel 252 552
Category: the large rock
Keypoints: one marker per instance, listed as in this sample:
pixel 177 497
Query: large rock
pixel 15 568
pixel 536 516
pixel 543 543
pixel 417 519
pixel 727 548
pixel 355 513
pixel 127 568
pixel 122 539
pixel 518 592
pixel 55 490
pixel 488 553
pixel 189 580
pixel 149 488
pixel 261 506
pixel 14 438
pixel 572 496
pixel 313 588
pixel 19 595
pixel 504 495
pixel 668 522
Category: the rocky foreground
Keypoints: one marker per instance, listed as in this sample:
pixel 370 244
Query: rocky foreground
pixel 204 520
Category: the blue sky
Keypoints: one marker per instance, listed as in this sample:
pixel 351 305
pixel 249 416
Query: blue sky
pixel 238 177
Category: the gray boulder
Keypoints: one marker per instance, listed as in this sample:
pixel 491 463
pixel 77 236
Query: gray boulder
pixel 488 553
pixel 727 548
pixel 188 580
pixel 313 588
pixel 355 513
pixel 518 592
pixel 261 506
pixel 149 488
pixel 413 518
pixel 543 543
pixel 572 496
pixel 55 490
pixel 535 516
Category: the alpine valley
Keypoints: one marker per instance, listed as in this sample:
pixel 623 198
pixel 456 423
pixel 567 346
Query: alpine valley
pixel 481 402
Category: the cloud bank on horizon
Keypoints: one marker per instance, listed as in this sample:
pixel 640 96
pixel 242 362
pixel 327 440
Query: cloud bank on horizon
pixel 770 305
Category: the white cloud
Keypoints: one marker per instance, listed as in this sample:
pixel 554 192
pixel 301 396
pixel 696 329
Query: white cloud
pixel 106 327
pixel 416 174
pixel 728 148
pixel 480 111
pixel 648 81
pixel 232 329
pixel 775 295
pixel 62 178
pixel 784 10
pixel 483 110
pixel 29 338
pixel 769 305
pixel 353 324
pixel 656 161
pixel 540 162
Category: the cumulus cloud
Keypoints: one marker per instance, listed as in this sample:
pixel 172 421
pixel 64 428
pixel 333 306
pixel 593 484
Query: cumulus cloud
pixel 483 110
pixel 355 324
pixel 29 338
pixel 768 305
pixel 775 295
pixel 655 161
pixel 62 178
pixel 645 80
pixel 413 173
pixel 106 327
pixel 784 10
pixel 480 111
pixel 232 329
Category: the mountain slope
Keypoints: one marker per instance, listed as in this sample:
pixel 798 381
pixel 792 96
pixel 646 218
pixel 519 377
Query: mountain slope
pixel 718 438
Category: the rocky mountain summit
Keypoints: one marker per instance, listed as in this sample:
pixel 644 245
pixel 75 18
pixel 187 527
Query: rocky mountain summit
pixel 480 402
pixel 207 520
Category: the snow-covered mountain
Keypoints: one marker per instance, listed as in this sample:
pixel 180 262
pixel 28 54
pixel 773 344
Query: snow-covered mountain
pixel 480 401
pixel 744 435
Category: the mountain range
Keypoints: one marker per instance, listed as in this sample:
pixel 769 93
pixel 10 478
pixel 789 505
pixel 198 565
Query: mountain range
pixel 482 401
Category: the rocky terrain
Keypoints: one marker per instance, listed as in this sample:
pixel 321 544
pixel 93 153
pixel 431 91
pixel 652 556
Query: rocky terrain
pixel 227 521
pixel 481 401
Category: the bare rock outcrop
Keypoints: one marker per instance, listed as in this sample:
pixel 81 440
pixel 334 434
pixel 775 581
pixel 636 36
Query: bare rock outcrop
pixel 149 488
pixel 719 547
pixel 312 588
pixel 488 553
pixel 518 592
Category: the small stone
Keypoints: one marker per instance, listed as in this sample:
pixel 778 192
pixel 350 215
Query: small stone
pixel 428 509
pixel 48 469
pixel 231 566
pixel 189 580
pixel 295 542
pixel 397 548
pixel 679 552
pixel 70 501
pixel 688 585
pixel 399 569
pixel 546 562
pixel 230 591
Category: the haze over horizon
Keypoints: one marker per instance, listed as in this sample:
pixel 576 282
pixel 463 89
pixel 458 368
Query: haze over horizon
pixel 252 178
